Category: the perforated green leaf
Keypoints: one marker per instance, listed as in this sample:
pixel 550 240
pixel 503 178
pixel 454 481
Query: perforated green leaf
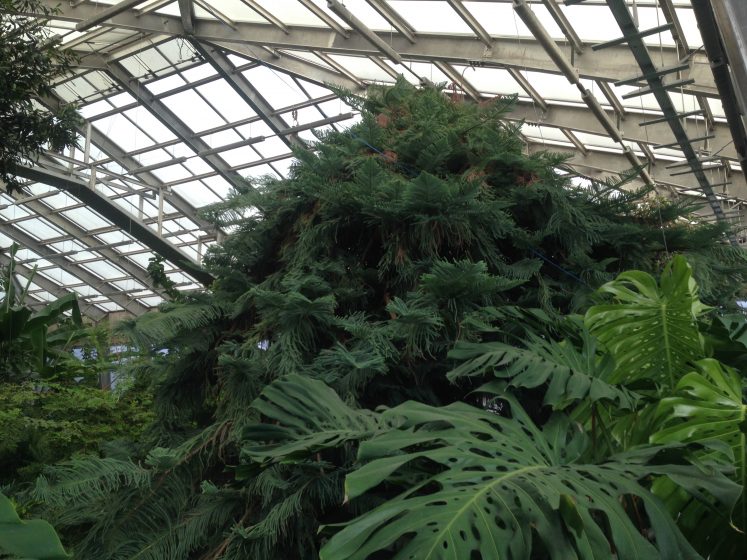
pixel 306 416
pixel 650 328
pixel 709 406
pixel 477 485
pixel 570 374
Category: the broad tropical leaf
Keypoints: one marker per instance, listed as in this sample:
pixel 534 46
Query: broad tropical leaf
pixel 570 374
pixel 479 485
pixel 650 329
pixel 709 406
pixel 30 540
pixel 307 416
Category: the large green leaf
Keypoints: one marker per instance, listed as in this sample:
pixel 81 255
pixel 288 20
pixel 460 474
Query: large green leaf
pixel 709 406
pixel 480 485
pixel 570 374
pixel 29 540
pixel 307 416
pixel 650 328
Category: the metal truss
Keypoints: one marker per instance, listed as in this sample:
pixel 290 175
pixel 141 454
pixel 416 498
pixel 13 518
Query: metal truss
pixel 692 153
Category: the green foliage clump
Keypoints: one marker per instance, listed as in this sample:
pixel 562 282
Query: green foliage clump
pixel 395 304
pixel 45 422
pixel 30 60
pixel 52 405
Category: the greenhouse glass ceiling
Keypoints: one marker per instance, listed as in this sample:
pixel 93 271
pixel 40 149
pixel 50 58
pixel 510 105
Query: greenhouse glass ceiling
pixel 183 98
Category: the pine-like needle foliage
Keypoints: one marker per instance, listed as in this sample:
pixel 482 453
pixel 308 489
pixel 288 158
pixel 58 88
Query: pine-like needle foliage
pixel 421 226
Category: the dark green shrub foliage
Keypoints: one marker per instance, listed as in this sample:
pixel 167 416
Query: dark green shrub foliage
pixel 421 227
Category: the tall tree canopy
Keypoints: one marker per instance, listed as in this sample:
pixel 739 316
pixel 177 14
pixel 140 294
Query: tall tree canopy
pixel 29 61
pixel 422 228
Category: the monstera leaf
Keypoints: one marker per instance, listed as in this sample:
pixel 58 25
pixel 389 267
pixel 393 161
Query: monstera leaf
pixel 650 329
pixel 483 486
pixel 570 374
pixel 708 407
pixel 29 540
pixel 307 416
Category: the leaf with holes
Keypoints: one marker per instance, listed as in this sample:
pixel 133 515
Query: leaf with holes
pixel 709 406
pixel 570 374
pixel 650 328
pixel 476 485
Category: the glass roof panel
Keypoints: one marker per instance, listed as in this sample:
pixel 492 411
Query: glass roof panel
pixel 291 12
pixel 276 88
pixel 86 218
pixel 197 194
pixel 226 101
pixel 199 72
pixel 165 84
pixel 428 16
pixel 126 135
pixel 39 229
pixel 363 68
pixel 144 120
pixel 104 269
pixel 193 111
pixel 59 276
pixel 500 19
pixel 170 69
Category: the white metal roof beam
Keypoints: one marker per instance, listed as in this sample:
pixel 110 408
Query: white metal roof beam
pixel 598 163
pixel 391 15
pixel 567 69
pixel 248 93
pixel 458 79
pixel 315 73
pixel 348 17
pixel 580 119
pixel 107 13
pixel 527 87
pixel 325 17
pixel 471 21
pixel 565 26
pixel 25 240
pixel 187 13
pixel 616 63
pixel 87 309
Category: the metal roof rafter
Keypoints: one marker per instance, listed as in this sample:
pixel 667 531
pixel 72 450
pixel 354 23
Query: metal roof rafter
pixel 247 92
pixel 116 215
pixel 79 272
pixel 633 37
pixel 87 309
pixel 167 117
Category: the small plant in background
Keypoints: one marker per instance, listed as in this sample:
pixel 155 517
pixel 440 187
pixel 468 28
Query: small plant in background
pixel 52 405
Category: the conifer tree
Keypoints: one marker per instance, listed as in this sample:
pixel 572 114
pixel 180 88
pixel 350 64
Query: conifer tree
pixel 421 226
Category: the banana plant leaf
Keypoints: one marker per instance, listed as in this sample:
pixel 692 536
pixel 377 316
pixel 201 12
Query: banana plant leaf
pixel 650 328
pixel 28 540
